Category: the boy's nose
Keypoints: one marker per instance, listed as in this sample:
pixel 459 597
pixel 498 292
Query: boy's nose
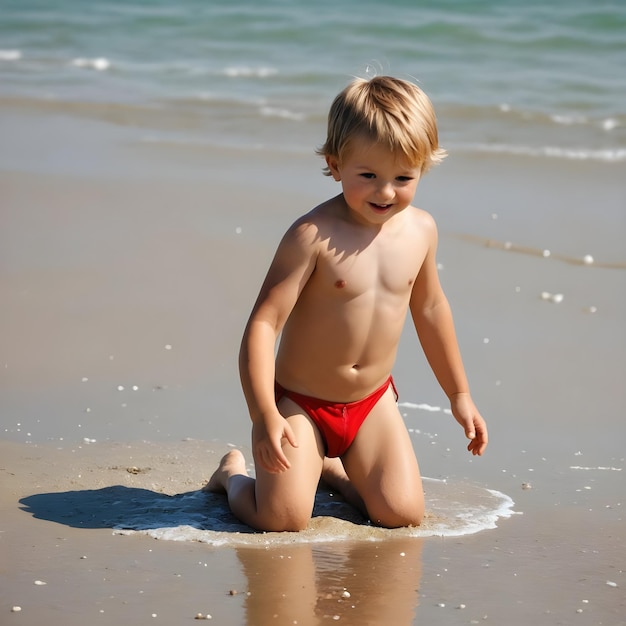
pixel 385 191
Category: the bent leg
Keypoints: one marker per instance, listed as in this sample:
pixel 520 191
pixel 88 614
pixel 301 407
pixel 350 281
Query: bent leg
pixel 335 477
pixel 275 502
pixel 382 467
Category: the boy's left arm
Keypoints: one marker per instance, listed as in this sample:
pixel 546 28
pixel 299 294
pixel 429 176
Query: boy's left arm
pixel 434 324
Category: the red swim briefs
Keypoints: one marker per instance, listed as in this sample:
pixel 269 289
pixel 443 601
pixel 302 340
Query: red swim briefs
pixel 339 422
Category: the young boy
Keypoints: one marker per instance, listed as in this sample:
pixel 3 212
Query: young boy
pixel 338 290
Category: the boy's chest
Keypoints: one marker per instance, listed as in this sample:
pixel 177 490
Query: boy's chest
pixel 381 269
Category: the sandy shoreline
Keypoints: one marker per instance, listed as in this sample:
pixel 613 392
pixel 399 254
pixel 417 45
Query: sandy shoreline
pixel 552 566
pixel 102 269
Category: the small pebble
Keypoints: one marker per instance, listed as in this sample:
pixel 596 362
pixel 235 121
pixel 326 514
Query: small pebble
pixel 201 616
pixel 168 346
pixel 579 610
pixel 16 609
pixel 610 583
pixel 461 606
pixel 345 594
pixel 526 486
pixel 546 253
pixel 588 259
pixel 41 582
pixel 233 592
pixel 120 387
pixel 442 605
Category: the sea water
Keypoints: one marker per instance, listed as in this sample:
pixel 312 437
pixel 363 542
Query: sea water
pixel 543 80
pixel 453 509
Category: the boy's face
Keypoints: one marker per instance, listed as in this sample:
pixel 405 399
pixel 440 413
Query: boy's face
pixel 377 183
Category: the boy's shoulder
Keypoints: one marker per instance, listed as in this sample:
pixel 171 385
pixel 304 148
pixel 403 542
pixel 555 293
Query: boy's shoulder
pixel 421 218
pixel 321 217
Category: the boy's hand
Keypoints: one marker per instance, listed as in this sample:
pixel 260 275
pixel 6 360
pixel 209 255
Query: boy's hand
pixel 267 440
pixel 467 415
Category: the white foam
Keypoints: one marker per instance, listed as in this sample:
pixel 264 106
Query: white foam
pixel 282 113
pixel 10 55
pixel 100 64
pixel 249 72
pixel 424 407
pixel 599 468
pixel 568 120
pixel 610 155
pixel 453 509
pixel 609 124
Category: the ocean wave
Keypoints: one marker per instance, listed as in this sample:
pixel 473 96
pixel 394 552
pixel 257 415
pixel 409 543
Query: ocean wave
pixel 267 111
pixel 10 55
pixel 99 64
pixel 608 155
pixel 524 116
pixel 607 124
pixel 249 72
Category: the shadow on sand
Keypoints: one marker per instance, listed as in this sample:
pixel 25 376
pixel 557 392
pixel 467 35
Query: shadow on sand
pixel 132 508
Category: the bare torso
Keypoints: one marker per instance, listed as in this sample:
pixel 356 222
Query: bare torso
pixel 341 339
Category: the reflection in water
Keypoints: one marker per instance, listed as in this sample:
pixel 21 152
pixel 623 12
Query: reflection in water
pixel 355 583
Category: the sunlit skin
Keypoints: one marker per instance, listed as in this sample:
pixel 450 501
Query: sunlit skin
pixel 338 289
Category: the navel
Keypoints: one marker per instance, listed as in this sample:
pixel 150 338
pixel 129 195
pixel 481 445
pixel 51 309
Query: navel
pixel 340 284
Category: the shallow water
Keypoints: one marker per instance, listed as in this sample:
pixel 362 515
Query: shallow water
pixel 532 79
pixel 453 509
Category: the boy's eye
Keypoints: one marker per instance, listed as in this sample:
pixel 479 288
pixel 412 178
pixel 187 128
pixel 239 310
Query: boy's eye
pixel 404 179
pixel 368 175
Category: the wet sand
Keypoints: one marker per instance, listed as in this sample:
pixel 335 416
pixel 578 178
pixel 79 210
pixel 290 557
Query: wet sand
pixel 140 274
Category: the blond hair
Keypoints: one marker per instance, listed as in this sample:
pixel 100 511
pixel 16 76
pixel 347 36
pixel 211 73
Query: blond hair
pixel 389 111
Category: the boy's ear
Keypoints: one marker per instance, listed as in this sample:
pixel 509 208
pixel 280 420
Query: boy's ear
pixel 333 166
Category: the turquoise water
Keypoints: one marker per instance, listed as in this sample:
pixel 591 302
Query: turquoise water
pixel 534 78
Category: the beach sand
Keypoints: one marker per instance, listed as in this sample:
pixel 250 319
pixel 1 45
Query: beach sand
pixel 125 288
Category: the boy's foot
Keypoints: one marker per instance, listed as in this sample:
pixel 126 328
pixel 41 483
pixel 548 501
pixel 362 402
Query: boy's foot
pixel 231 463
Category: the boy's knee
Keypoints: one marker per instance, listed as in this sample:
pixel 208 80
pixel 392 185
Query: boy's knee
pixel 398 519
pixel 398 515
pixel 285 521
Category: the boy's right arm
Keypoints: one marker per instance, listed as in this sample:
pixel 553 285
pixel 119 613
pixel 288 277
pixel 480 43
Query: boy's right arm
pixel 292 266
